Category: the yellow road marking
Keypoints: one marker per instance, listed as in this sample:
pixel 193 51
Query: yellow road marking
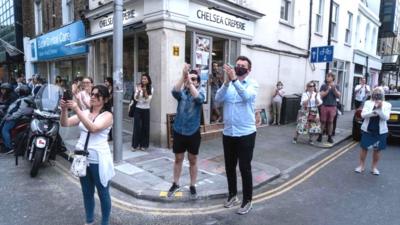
pixel 218 208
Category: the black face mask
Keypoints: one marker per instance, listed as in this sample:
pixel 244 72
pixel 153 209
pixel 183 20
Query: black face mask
pixel 240 71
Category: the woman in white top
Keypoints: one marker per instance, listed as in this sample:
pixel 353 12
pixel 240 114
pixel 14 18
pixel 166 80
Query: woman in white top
pixel 83 97
pixel 141 128
pixel 277 103
pixel 374 128
pixel 98 121
pixel 308 116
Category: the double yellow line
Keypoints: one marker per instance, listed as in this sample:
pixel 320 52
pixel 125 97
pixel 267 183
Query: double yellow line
pixel 118 203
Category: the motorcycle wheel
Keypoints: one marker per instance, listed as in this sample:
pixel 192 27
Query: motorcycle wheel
pixel 37 162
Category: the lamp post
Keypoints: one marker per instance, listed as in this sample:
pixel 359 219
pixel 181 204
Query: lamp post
pixel 117 78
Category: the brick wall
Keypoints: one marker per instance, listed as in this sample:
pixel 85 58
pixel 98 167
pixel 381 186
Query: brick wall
pixel 52 15
pixel 28 19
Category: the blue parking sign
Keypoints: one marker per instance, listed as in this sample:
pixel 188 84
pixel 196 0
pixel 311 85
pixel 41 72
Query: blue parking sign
pixel 321 54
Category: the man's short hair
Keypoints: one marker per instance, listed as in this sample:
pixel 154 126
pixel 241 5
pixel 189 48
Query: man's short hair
pixel 244 58
pixel 331 74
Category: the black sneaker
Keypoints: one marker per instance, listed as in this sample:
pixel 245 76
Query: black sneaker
pixel 173 189
pixel 319 139
pixel 330 140
pixel 193 193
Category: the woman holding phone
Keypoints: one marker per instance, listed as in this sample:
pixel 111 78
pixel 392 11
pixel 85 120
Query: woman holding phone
pixel 374 129
pixel 141 126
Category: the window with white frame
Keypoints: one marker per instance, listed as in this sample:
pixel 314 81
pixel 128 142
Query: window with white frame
pixel 367 36
pixel 319 17
pixel 287 10
pixel 38 17
pixel 349 28
pixel 373 40
pixel 357 42
pixel 335 21
pixel 70 10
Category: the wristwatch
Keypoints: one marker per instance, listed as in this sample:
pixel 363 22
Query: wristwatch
pixel 233 81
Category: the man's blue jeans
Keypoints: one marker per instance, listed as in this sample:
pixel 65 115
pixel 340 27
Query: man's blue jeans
pixel 6 133
pixel 91 180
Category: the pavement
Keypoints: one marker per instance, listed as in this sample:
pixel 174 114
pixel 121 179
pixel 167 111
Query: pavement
pixel 149 174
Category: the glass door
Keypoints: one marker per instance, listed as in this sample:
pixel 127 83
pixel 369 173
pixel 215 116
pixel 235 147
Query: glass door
pixel 201 61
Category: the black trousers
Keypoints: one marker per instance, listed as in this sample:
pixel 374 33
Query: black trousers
pixel 239 149
pixel 141 128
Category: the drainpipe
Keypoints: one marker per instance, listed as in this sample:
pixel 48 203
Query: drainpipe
pixel 329 31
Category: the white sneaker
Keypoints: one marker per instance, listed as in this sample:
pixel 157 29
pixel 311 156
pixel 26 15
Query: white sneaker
pixel 232 201
pixel 244 209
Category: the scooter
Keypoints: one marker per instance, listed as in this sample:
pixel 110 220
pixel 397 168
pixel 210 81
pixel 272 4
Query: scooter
pixel 43 138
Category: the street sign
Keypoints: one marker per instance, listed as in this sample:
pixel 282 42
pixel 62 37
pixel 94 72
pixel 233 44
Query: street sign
pixel 321 54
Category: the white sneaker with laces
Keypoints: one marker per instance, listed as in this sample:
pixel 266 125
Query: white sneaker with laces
pixel 244 209
pixel 232 201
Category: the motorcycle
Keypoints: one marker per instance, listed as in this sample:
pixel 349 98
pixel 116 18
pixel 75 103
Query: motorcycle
pixel 43 138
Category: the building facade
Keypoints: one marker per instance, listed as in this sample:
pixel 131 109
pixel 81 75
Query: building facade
pixel 11 32
pixel 57 23
pixel 159 36
pixel 389 42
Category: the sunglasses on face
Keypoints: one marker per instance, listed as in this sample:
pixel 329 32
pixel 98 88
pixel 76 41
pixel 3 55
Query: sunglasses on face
pixel 97 95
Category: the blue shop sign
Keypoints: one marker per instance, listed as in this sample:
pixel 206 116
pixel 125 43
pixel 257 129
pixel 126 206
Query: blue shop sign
pixel 52 45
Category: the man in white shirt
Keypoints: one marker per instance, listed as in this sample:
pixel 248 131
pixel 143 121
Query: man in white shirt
pixel 361 92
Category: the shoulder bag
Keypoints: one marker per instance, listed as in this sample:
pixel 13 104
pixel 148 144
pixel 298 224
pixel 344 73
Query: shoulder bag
pixel 132 108
pixel 80 162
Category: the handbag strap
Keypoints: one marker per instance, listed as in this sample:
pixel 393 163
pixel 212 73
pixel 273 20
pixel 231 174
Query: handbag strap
pixel 87 137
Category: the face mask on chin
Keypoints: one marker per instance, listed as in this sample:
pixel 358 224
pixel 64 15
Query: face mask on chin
pixel 240 71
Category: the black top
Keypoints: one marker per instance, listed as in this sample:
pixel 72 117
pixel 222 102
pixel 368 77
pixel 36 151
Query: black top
pixel 330 99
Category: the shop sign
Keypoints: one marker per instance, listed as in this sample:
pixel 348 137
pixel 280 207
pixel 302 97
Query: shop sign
pixel 201 15
pixel 97 3
pixel 52 45
pixel 105 23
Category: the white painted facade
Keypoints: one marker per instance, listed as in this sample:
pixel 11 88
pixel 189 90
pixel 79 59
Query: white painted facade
pixel 277 47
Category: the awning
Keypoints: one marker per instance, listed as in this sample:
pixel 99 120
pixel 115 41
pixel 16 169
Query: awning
pixel 91 38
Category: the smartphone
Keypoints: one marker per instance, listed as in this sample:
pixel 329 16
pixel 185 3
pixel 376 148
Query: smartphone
pixel 67 95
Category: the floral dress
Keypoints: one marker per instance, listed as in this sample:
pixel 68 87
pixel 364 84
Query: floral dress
pixel 308 121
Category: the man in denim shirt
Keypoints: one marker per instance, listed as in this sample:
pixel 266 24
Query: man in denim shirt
pixel 186 128
pixel 239 95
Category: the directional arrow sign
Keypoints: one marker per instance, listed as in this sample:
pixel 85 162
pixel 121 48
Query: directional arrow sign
pixel 314 55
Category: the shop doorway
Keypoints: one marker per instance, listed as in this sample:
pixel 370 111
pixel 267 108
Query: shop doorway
pixel 207 54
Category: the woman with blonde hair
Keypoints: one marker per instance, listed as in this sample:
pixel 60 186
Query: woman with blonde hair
pixel 375 113
pixel 308 117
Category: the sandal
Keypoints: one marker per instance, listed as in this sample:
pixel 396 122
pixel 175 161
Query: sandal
pixel 375 172
pixel 359 169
